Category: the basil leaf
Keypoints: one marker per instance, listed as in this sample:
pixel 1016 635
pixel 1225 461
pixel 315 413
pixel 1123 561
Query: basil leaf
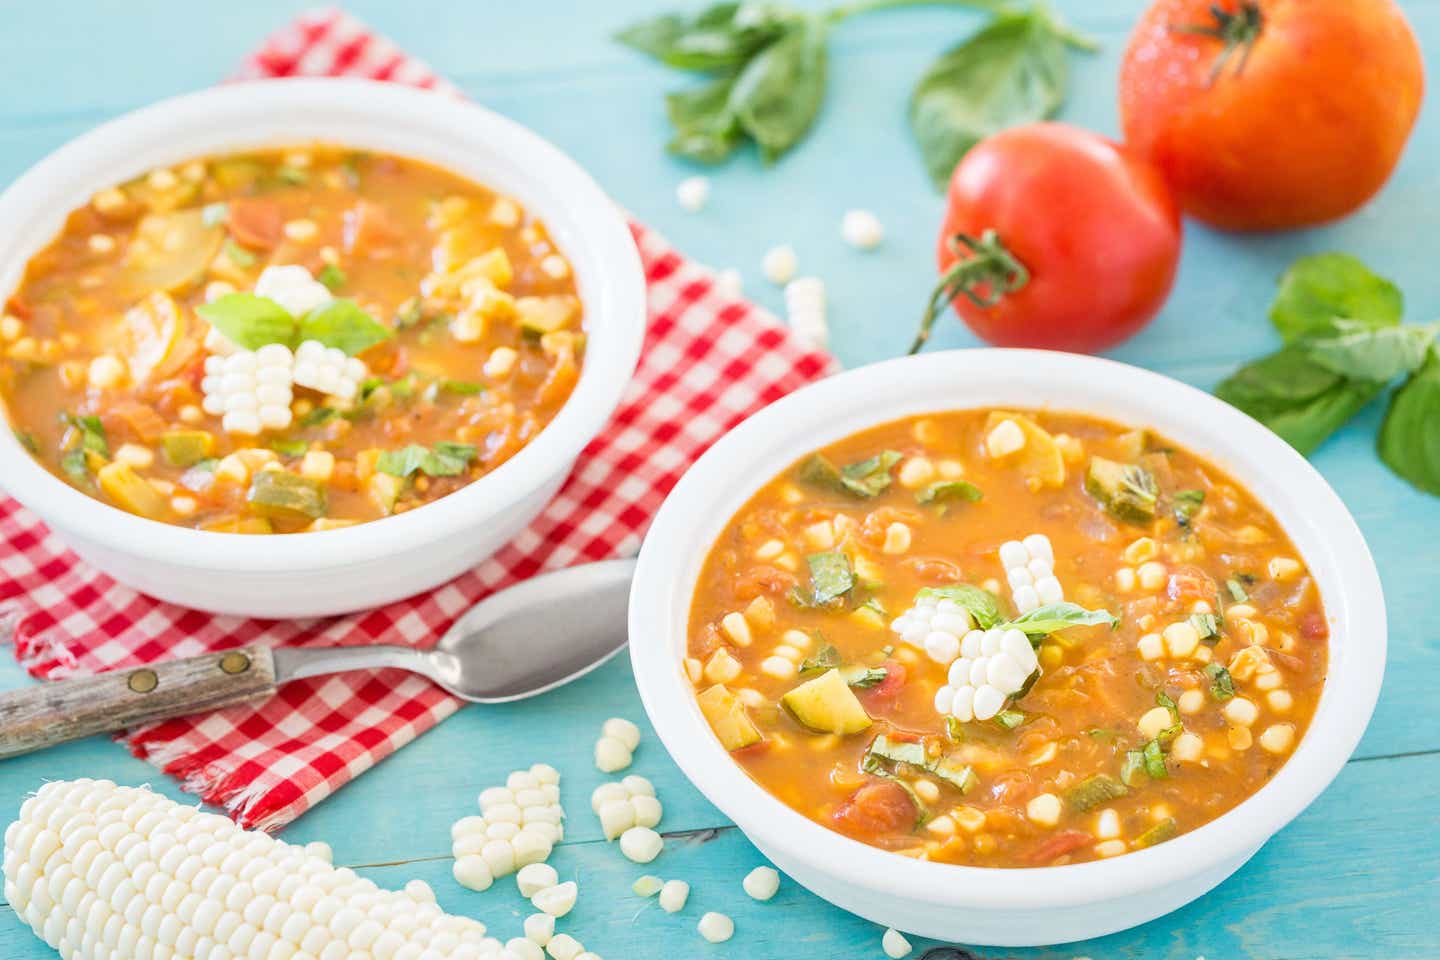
pixel 945 491
pixel 1316 290
pixel 826 657
pixel 1153 756
pixel 706 129
pixel 777 95
pixel 721 35
pixel 1409 442
pixel 1296 397
pixel 444 460
pixel 863 678
pixel 248 321
pixel 1207 625
pixel 290 448
pixel 1054 617
pixel 1013 71
pixel 1237 590
pixel 342 324
pixel 1364 353
pixel 982 605
pixel 92 432
pixel 871 476
pixel 1009 719
pixel 830 576
pixel 318 416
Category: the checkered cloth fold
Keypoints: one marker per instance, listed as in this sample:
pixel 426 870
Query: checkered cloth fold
pixel 709 361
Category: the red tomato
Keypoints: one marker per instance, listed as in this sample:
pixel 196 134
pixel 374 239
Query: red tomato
pixel 876 809
pixel 1268 114
pixel 1057 238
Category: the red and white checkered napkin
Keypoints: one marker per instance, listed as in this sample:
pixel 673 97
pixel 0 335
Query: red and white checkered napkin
pixel 708 362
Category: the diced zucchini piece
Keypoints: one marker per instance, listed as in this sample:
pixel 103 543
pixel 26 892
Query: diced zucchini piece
pixel 1132 444
pixel 1159 833
pixel 827 705
pixel 728 718
pixel 1126 491
pixel 899 751
pixel 185 448
pixel 130 491
pixel 171 251
pixel 385 490
pixel 277 494
pixel 1093 791
pixel 1040 460
pixel 254 525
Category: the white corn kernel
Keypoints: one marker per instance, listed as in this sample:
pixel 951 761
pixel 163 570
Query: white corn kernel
pixel 1190 702
pixel 1044 809
pixel 1278 738
pixel 301 231
pixel 1283 568
pixel 562 946
pixel 1151 576
pixel 105 372
pixel 716 927
pixel 861 229
pixel 1279 700
pixel 623 730
pixel 1107 824
pixel 692 193
pixel 557 900
pixel 641 844
pixel 1154 721
pixel 1187 748
pixel 539 928
pixel 1240 711
pixel 611 755
pixel 135 455
pixel 673 895
pixel 534 877
pixel 735 626
pixel 761 883
pixel 318 465
pixel 1151 646
pixel 1125 580
pixel 780 264
pixel 897 539
pixel 894 944
pixel 500 363
pixel 522 948
pixel 778 667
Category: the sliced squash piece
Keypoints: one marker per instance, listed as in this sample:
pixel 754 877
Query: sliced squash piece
pixel 728 718
pixel 158 338
pixel 827 705
pixel 1040 461
pixel 277 494
pixel 1128 492
pixel 171 251
pixel 130 491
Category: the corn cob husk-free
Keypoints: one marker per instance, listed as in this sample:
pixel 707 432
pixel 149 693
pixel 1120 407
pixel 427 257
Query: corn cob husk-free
pixel 103 872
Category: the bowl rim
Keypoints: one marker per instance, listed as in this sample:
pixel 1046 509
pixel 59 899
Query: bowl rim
pixel 691 516
pixel 613 295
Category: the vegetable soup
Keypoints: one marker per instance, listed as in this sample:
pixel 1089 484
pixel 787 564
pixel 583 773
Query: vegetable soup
pixel 288 340
pixel 1007 639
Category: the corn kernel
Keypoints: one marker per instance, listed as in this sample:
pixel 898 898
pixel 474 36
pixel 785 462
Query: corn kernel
pixel 101 243
pixel 1107 824
pixel 722 667
pixel 162 179
pixel 897 539
pixel 1278 738
pixel 318 465
pixel 106 372
pixel 1240 711
pixel 1187 748
pixel 789 653
pixel 504 212
pixel 467 327
pixel 760 612
pixel 1151 575
pixel 184 506
pixel 1125 580
pixel 1190 702
pixel 736 628
pixel 1110 848
pixel 1151 646
pixel 769 550
pixel 10 328
pixel 1251 534
pixel 777 667
pixel 555 267
pixel 1240 738
pixel 915 472
pixel 798 639
pixel 926 790
pixel 1283 568
pixel 110 201
pixel 233 469
pixel 1181 638
pixel 500 362
pixel 135 455
pixel 1004 439
pixel 1279 700
pixel 927 431
pixel 1044 809
pixel 950 469
pixel 1153 721
pixel 191 414
pixel 301 231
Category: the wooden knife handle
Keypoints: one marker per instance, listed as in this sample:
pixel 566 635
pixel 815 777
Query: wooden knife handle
pixel 51 713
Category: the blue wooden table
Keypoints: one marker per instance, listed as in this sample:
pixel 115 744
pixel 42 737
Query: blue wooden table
pixel 1358 875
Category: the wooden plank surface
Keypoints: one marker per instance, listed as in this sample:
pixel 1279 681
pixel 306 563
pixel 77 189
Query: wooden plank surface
pixel 1356 876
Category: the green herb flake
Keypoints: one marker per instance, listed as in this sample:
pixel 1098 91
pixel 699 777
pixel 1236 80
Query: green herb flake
pixel 830 576
pixel 27 440
pixel 1207 625
pixel 1153 756
pixel 1132 768
pixel 863 678
pixel 464 388
pixel 290 448
pixel 949 491
pixel 1009 719
pixel 1237 590
pixel 1163 699
pixel 291 176
pixel 1222 685
pixel 442 460
pixel 332 277
pixel 318 416
pixel 1187 503
pixel 825 657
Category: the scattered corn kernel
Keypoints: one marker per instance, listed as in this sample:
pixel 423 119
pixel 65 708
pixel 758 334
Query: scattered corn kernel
pixel 1278 738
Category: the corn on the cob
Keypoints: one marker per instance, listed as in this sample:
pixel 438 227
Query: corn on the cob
pixel 103 872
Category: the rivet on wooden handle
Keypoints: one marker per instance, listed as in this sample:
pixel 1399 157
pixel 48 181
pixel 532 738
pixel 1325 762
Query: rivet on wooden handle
pixel 51 713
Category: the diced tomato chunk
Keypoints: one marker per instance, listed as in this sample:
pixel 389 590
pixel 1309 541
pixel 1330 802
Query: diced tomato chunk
pixel 878 808
pixel 1313 626
pixel 255 222
pixel 763 579
pixel 1188 584
pixel 368 229
pixel 1066 841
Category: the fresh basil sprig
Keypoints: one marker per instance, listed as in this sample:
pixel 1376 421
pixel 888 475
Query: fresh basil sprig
pixel 1344 345
pixel 767 62
pixel 251 322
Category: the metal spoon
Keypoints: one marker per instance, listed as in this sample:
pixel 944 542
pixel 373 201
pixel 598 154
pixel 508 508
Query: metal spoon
pixel 520 642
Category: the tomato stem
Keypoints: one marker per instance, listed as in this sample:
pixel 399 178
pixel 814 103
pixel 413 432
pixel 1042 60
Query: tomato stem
pixel 983 273
pixel 1237 31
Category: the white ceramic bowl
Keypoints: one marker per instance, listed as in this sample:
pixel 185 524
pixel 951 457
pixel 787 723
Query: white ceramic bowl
pixel 322 573
pixel 1006 907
